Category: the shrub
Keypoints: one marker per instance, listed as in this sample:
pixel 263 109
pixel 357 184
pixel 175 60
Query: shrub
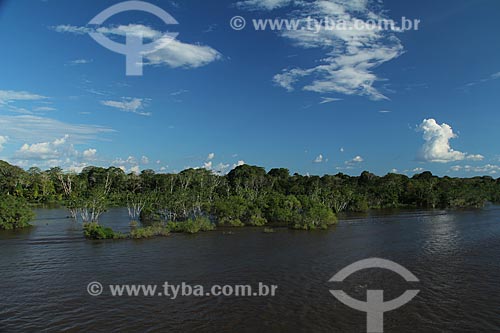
pixel 231 222
pixel 317 216
pixel 192 226
pixel 94 230
pixel 14 213
pixel 257 221
pixel 154 230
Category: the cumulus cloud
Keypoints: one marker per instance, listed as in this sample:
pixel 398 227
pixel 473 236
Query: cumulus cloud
pixel 43 150
pixel 47 150
pixel 129 104
pixel 356 160
pixel 210 156
pixel 135 169
pixel 132 164
pixel 319 159
pixel 55 153
pixel 484 169
pixel 89 154
pixel 167 51
pixel 437 146
pixel 239 163
pixel 208 165
pixel 350 55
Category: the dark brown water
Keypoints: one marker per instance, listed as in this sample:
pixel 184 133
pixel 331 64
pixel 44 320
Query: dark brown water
pixel 44 273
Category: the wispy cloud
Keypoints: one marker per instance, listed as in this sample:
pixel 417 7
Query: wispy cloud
pixel 169 52
pixel 80 62
pixel 179 92
pixel 494 76
pixel 29 128
pixel 350 55
pixel 262 4
pixel 325 100
pixel 3 141
pixel 8 96
pixel 129 104
pixel 44 109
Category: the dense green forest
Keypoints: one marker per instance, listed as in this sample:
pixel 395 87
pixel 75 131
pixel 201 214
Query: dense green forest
pixel 197 199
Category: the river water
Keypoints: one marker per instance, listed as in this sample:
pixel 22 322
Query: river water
pixel 455 254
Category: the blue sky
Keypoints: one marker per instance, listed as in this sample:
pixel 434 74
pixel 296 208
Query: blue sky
pixel 215 97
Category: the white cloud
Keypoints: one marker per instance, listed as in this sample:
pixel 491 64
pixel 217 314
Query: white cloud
pixel 44 109
pixel 90 154
pixel 211 156
pixel 485 169
pixel 221 168
pixel 174 53
pixel 72 29
pixel 47 150
pixel 57 153
pixel 356 160
pixel 239 163
pixel 350 55
pixel 137 30
pixel 492 77
pixel 80 61
pixel 179 92
pixel 208 165
pixel 437 146
pixel 3 140
pixel 262 4
pixel 144 160
pixel 168 51
pixel 29 128
pixel 128 104
pixel 7 96
pixel 318 159
pixel 476 157
pixel 135 169
pixel 325 100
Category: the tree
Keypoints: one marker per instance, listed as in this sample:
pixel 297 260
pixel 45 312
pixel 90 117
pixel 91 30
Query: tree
pixel 14 213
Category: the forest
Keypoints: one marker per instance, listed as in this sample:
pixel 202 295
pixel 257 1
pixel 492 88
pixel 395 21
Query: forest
pixel 199 200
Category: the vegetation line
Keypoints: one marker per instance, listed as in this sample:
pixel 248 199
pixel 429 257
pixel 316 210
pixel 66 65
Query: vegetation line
pixel 196 199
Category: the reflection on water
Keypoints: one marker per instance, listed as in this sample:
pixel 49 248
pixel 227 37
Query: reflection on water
pixel 45 271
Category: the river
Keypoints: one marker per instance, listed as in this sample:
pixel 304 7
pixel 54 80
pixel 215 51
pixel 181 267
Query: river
pixel 45 271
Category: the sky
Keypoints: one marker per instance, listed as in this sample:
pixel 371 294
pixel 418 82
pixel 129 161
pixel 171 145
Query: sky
pixel 220 95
